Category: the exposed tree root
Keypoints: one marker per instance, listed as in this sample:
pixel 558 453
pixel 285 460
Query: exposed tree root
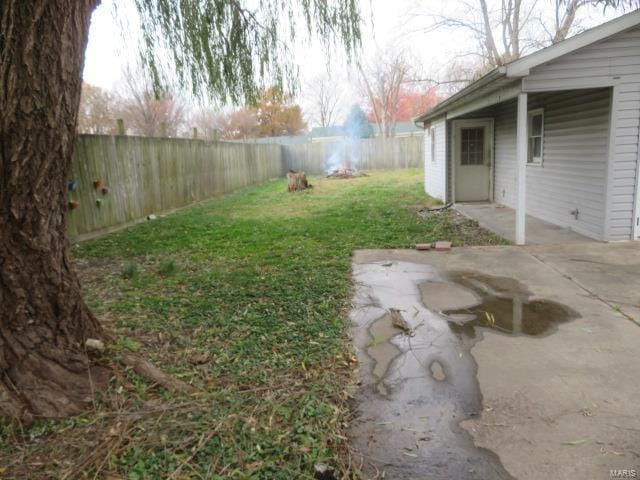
pixel 149 371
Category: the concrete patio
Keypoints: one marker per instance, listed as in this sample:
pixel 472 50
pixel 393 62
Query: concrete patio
pixel 561 405
pixel 502 221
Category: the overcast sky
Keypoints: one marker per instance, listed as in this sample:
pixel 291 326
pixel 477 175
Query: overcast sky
pixel 404 23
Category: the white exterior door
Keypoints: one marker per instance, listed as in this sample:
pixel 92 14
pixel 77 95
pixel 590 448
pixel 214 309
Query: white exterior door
pixel 472 159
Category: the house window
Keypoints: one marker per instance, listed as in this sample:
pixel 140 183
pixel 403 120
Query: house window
pixel 472 146
pixel 536 136
pixel 432 138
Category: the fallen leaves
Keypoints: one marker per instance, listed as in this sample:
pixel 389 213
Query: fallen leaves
pixel 199 358
pixel 398 321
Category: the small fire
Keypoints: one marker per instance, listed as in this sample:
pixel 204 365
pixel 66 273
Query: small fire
pixel 344 171
pixel 344 159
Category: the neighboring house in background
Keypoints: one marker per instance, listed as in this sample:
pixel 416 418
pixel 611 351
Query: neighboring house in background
pixel 330 134
pixel 403 129
pixel 282 140
pixel 326 134
pixel 561 124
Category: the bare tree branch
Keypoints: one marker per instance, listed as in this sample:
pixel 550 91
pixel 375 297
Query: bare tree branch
pixel 381 83
pixel 490 43
pixel 512 21
pixel 325 100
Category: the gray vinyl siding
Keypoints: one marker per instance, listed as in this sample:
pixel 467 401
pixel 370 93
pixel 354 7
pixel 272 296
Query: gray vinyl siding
pixel 449 169
pixel 435 169
pixel 504 160
pixel 575 152
pixel 615 60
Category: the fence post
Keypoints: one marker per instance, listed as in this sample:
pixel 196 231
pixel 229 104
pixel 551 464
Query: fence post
pixel 120 126
pixel 195 132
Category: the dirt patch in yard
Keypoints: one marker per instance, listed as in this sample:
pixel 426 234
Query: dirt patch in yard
pixel 459 226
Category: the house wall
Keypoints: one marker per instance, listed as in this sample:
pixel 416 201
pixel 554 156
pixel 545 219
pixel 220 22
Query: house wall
pixel 504 167
pixel 435 168
pixel 616 61
pixel 574 170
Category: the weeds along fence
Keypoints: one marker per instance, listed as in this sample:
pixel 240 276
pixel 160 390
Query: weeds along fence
pixel 118 180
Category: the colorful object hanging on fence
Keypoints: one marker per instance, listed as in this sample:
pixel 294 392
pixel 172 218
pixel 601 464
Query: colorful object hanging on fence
pixel 73 205
pixel 72 185
pixel 97 184
pixel 105 190
pixel 98 202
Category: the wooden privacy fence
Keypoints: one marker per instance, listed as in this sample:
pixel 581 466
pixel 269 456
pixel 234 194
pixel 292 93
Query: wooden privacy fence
pixel 371 154
pixel 151 175
pixel 118 180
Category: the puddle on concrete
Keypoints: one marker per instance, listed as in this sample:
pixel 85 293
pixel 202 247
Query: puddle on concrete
pixel 502 304
pixel 417 388
pixel 381 350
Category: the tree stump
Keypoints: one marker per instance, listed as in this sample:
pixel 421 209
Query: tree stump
pixel 297 181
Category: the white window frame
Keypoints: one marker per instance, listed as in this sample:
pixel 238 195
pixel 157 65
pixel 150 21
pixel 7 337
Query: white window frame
pixel 531 160
pixel 432 146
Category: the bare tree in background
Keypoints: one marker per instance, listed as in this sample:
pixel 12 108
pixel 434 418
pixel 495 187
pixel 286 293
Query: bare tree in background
pixel 457 74
pixel 96 114
pixel 381 83
pixel 274 115
pixel 324 99
pixel 241 124
pixel 147 112
pixel 507 29
pixel 566 12
pixel 208 122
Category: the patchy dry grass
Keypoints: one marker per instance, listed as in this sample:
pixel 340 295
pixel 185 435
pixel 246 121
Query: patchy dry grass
pixel 245 298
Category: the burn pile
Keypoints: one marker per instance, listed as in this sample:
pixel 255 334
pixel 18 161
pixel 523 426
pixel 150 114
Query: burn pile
pixel 345 154
pixel 344 171
pixel 343 163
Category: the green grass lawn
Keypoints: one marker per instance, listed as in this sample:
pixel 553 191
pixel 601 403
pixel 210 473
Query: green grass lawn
pixel 244 296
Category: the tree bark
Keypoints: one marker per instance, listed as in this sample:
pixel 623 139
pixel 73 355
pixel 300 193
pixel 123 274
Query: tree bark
pixel 44 322
pixel 297 181
pixel 568 17
pixel 490 43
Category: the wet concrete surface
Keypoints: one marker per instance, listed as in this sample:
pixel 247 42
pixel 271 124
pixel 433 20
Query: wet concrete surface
pixel 507 400
pixel 505 306
pixel 418 384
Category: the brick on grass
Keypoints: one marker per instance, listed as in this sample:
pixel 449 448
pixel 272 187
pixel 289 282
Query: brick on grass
pixel 443 246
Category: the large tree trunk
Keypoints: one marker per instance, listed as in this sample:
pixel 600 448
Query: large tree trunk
pixel 44 367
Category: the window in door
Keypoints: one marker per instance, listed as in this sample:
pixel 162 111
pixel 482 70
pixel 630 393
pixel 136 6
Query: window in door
pixel 472 146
